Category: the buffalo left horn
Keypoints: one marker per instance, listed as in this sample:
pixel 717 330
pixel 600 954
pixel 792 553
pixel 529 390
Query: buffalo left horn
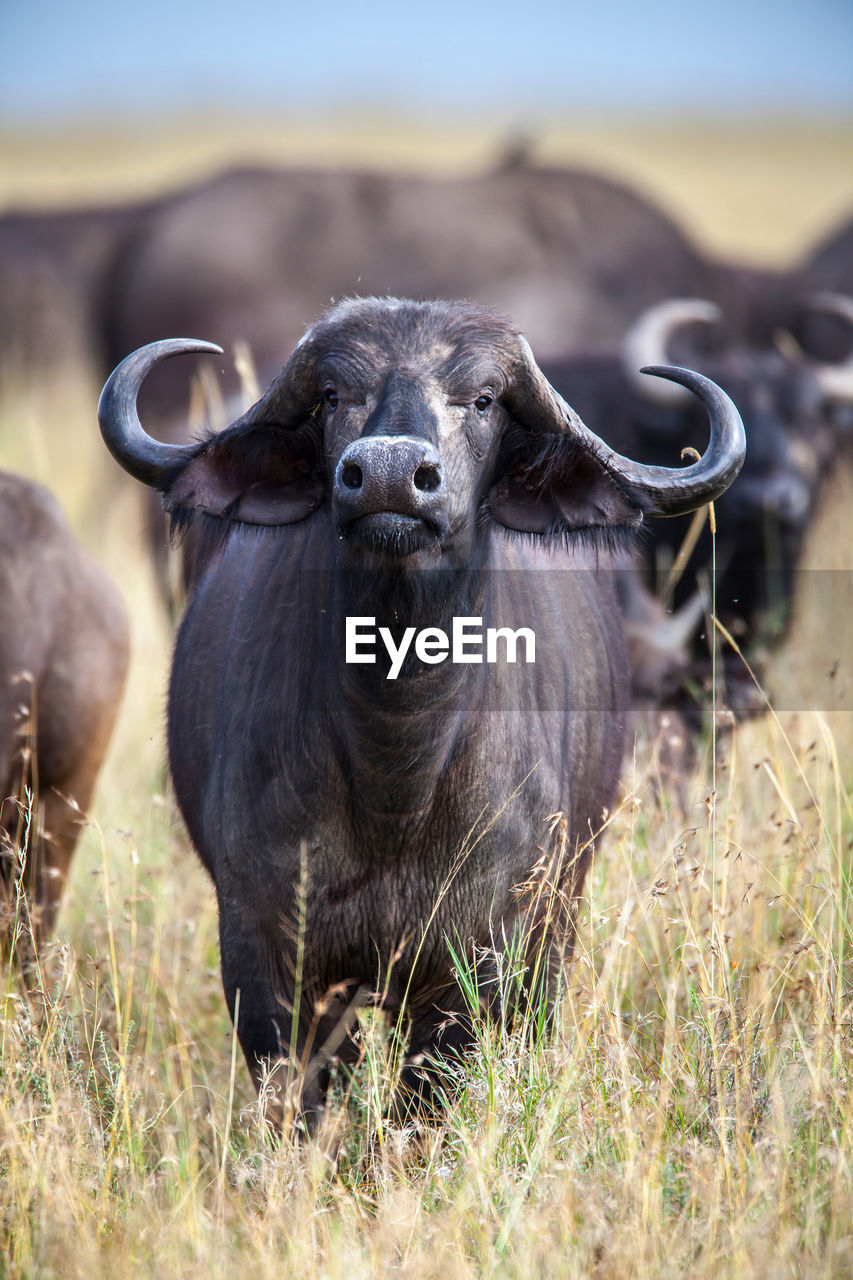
pixel 647 343
pixel 666 491
pixel 143 457
pixel 671 491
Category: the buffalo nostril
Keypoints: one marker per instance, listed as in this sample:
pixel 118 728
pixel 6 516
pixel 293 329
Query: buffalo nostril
pixel 351 476
pixel 427 478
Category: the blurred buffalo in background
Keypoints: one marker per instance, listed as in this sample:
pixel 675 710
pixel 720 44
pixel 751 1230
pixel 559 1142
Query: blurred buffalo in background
pixel 57 286
pixel 253 254
pixel 788 404
pixel 829 268
pixel 63 659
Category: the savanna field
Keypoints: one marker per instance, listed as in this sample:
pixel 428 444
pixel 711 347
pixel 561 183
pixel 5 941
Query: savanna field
pixel 691 1114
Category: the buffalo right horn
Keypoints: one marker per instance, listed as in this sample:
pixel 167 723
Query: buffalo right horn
pixel 647 340
pixel 143 457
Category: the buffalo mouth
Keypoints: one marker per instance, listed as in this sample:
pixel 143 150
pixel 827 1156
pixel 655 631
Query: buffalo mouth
pixel 391 534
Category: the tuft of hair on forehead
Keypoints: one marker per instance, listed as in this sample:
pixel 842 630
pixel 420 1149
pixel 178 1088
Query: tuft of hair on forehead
pixel 453 330
pixel 464 345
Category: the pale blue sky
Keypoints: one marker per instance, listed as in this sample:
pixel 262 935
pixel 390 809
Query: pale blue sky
pixel 90 56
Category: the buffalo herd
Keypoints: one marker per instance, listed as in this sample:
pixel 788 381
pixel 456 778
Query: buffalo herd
pixel 365 764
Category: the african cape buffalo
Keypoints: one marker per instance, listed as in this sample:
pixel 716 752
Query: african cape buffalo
pixel 829 270
pixel 63 660
pixel 409 468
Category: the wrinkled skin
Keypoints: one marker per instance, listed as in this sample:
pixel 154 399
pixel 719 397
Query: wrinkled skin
pixel 63 659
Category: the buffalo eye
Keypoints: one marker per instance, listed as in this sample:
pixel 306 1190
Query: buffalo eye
pixel 482 403
pixel 330 395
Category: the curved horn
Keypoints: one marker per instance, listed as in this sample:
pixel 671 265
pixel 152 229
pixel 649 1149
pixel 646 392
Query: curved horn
pixel 672 491
pixel 667 491
pixel 835 380
pixel 143 457
pixel 647 340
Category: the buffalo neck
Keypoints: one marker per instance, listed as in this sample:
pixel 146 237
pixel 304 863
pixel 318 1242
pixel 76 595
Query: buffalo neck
pixel 399 735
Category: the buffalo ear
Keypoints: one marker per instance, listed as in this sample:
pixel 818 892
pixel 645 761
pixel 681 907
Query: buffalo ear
pixel 255 474
pixel 558 487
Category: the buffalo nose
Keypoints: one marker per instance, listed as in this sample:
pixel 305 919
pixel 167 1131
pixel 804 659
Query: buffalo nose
pixel 389 474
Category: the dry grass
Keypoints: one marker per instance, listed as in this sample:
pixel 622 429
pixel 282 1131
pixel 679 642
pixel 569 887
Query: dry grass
pixel 691 1116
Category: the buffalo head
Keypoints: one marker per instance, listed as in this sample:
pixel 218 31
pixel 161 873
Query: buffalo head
pixel 415 425
pixel 793 409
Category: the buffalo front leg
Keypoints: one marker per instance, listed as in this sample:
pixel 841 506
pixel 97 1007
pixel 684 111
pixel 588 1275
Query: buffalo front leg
pixel 289 1036
pixel 439 1041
